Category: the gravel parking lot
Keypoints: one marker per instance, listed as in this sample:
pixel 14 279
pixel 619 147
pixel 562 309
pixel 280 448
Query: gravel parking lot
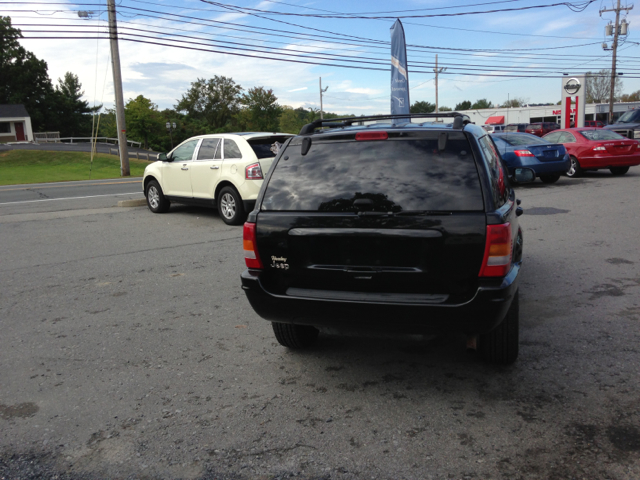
pixel 128 350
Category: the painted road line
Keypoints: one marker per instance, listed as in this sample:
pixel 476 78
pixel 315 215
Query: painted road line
pixel 68 185
pixel 70 198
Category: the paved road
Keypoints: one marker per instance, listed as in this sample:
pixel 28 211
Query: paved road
pixel 128 350
pixel 68 195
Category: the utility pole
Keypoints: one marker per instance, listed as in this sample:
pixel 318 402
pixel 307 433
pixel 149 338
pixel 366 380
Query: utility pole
pixel 614 47
pixel 117 86
pixel 321 92
pixel 437 71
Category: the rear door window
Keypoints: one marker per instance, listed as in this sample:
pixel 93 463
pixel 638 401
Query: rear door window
pixel 420 171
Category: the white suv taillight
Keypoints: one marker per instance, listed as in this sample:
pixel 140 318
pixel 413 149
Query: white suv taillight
pixel 253 172
pixel 497 252
pixel 251 257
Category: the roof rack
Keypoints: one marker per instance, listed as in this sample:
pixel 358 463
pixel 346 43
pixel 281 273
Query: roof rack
pixel 459 120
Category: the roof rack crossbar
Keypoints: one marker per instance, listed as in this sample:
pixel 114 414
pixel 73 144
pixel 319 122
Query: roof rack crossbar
pixel 460 120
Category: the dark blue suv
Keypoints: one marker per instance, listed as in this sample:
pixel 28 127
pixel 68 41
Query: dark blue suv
pixel 405 227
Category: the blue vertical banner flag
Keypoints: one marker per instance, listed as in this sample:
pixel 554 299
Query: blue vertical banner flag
pixel 399 73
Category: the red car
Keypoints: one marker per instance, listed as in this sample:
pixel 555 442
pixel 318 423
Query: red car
pixel 595 148
pixel 594 123
pixel 541 128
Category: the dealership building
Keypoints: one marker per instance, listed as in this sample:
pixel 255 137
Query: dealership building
pixel 544 113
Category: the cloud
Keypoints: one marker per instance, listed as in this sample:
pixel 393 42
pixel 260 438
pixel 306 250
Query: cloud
pixel 364 91
pixel 297 89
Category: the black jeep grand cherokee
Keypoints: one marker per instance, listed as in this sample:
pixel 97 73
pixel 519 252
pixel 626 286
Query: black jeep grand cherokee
pixel 403 227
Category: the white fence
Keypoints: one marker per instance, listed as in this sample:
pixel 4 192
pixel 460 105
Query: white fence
pixel 45 137
pixel 151 157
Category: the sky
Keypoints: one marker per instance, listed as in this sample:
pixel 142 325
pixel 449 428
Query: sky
pixel 485 55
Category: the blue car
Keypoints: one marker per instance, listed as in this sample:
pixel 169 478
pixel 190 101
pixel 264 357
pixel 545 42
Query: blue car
pixel 548 160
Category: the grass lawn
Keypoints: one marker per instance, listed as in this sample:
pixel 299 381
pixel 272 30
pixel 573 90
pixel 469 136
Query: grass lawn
pixel 38 166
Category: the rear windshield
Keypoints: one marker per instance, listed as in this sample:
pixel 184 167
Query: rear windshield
pixel 600 134
pixel 511 128
pixel 522 139
pixel 395 174
pixel 267 147
pixel 631 116
pixel 534 126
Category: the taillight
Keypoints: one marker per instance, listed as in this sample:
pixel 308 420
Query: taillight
pixel 372 136
pixel 599 148
pixel 497 252
pixel 251 257
pixel 523 153
pixel 253 172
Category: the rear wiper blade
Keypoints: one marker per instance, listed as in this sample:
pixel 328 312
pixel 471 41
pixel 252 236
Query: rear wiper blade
pixel 421 212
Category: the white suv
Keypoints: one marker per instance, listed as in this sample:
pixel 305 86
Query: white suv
pixel 224 171
pixel 494 128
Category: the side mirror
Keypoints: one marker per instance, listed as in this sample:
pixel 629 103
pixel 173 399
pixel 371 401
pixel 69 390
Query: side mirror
pixel 162 157
pixel 524 175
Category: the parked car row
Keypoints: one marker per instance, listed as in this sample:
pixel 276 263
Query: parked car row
pixel 568 151
pixel 335 238
pixel 539 129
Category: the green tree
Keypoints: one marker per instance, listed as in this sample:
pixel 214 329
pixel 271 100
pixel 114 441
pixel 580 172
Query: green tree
pixel 73 114
pixel 260 110
pixel 422 107
pixel 465 105
pixel 144 122
pixel 106 124
pixel 482 103
pixel 631 97
pixel 514 102
pixel 215 101
pixel 290 120
pixel 24 78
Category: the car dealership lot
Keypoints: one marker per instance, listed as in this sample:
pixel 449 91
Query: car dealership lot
pixel 128 349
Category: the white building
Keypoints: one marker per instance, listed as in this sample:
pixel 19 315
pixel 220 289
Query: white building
pixel 15 124
pixel 547 113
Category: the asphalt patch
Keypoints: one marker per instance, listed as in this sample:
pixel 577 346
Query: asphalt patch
pixel 545 211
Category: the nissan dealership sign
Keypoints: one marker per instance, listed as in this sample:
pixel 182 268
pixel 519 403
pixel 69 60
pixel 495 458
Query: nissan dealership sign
pixel 573 101
pixel 572 86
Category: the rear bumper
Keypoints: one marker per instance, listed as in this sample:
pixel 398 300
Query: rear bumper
pixel 541 168
pixel 481 314
pixel 606 161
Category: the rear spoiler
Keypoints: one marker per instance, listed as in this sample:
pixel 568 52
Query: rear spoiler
pixel 459 120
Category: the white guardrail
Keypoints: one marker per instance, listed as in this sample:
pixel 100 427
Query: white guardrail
pixel 55 137
pixel 151 157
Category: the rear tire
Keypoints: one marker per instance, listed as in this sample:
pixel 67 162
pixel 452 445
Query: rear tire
pixel 500 346
pixel 575 170
pixel 230 207
pixel 156 201
pixel 553 178
pixel 619 170
pixel 295 336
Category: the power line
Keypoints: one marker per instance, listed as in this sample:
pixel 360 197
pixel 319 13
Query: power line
pixel 577 7
pixel 308 60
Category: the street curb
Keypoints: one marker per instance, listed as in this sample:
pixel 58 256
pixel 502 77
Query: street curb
pixel 132 203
